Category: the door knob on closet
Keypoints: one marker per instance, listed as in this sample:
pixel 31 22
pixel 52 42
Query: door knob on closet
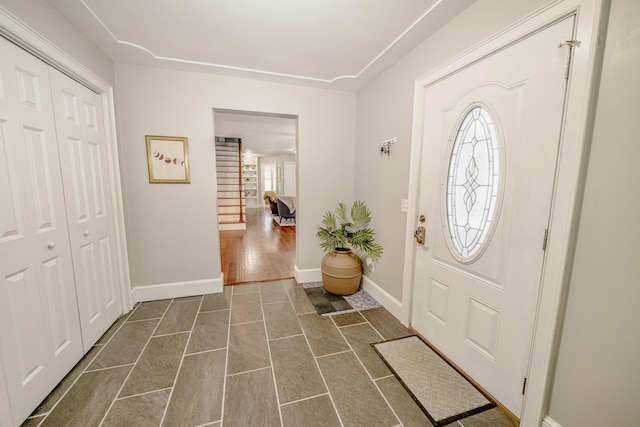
pixel 51 245
pixel 86 233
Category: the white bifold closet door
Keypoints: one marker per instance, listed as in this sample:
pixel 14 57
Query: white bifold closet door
pixel 58 281
pixel 85 173
pixel 39 324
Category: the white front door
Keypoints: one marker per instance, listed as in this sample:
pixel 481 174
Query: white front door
pixel 489 149
pixel 39 327
pixel 85 173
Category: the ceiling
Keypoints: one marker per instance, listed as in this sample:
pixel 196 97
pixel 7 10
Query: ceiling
pixel 338 44
pixel 262 134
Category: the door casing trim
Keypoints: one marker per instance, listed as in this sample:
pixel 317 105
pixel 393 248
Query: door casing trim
pixel 575 140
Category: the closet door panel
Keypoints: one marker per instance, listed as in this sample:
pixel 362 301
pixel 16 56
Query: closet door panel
pixel 83 157
pixel 40 337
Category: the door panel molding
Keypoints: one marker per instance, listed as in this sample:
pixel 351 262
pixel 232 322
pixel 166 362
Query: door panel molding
pixel 570 174
pixel 25 37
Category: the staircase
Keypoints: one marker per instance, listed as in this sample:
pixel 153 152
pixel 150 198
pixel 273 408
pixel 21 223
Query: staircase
pixel 231 206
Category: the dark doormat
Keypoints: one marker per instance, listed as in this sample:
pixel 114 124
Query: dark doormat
pixel 324 302
pixel 441 392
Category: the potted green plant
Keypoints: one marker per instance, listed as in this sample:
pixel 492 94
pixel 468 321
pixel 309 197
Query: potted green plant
pixel 339 237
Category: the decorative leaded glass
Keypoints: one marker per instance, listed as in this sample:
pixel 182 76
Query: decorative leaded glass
pixel 472 182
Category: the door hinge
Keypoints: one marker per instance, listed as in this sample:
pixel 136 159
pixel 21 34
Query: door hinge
pixel 571 44
pixel 544 240
pixel 524 385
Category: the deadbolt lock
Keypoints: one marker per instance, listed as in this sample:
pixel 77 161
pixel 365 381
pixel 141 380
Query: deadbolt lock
pixel 419 235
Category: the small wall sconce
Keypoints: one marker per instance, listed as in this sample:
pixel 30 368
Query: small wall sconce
pixel 385 148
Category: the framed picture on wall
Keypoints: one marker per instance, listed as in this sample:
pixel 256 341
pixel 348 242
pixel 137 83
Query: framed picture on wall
pixel 168 159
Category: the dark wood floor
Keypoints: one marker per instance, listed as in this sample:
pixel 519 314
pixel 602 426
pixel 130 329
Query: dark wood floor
pixel 264 252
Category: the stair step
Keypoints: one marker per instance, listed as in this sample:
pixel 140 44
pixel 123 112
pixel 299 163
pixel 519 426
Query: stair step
pixel 227 210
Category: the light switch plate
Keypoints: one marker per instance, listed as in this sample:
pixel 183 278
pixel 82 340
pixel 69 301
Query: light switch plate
pixel 404 207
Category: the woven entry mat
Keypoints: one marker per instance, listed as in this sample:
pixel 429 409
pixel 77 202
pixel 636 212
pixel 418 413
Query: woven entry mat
pixel 441 392
pixel 328 304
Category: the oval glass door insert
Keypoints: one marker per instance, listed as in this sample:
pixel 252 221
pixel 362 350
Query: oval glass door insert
pixel 472 182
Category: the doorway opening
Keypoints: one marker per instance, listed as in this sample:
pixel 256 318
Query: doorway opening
pixel 264 248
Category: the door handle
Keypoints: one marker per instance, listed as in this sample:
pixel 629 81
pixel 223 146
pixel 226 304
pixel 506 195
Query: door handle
pixel 51 245
pixel 419 235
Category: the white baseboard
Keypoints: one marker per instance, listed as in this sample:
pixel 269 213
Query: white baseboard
pixel 383 297
pixel 548 422
pixel 176 289
pixel 306 276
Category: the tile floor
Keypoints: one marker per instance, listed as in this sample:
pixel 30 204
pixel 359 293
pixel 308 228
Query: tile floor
pixel 255 355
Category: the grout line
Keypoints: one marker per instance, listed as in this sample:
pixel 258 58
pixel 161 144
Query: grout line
pixel 204 351
pixel 142 394
pixel 175 378
pixel 226 358
pixel 103 345
pixel 273 372
pixel 375 384
pixel 208 424
pixel 385 377
pixel 144 320
pixel 133 367
pixel 276 302
pixel 333 354
pixel 282 338
pixel 245 323
pixel 315 360
pixel 109 367
pixel 168 335
pixel 213 311
pixel 235 374
pixel 304 398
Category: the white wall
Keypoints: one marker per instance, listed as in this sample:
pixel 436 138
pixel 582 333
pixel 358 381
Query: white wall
pixel 278 161
pixel 48 22
pixel 172 231
pixel 385 110
pixel 597 381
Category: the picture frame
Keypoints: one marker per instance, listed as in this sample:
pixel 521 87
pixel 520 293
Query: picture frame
pixel 168 159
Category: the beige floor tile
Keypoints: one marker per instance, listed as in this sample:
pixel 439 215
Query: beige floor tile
pixel 324 337
pixel 360 338
pixel 210 331
pixel 145 410
pixel 126 345
pixel 248 288
pixel 386 325
pixel 281 320
pixel 246 308
pixel 297 376
pixel 491 418
pixel 112 330
pixel 33 421
pixel 348 318
pixel 300 300
pixel 86 403
pixel 248 348
pixel 402 403
pixel 197 394
pixel 64 385
pixel 273 292
pixel 356 397
pixel 316 412
pixel 179 317
pixel 158 365
pixel 250 400
pixel 149 310
pixel 213 302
